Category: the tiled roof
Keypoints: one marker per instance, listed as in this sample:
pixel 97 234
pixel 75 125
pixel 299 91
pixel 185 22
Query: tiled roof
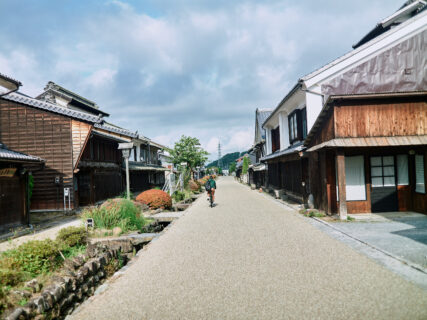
pixel 6 154
pixel 262 115
pixel 43 105
pixel 18 83
pixel 112 128
pixel 293 149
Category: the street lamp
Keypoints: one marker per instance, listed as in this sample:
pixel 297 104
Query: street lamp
pixel 126 148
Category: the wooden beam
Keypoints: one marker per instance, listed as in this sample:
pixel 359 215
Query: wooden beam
pixel 341 185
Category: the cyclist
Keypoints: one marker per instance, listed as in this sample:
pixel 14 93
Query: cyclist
pixel 212 185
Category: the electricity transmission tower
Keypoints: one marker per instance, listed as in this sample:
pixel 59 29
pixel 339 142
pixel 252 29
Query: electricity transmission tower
pixel 219 156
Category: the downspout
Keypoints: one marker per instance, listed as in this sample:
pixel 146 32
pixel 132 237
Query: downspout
pixel 11 91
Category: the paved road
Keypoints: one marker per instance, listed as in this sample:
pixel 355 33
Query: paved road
pixel 248 258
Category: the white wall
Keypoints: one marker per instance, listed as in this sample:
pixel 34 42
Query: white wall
pixel 268 140
pixel 284 130
pixel 314 104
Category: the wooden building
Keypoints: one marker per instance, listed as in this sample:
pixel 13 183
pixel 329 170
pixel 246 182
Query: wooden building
pixel 368 153
pixel 287 168
pixel 258 170
pixel 145 167
pixel 15 168
pixel 79 147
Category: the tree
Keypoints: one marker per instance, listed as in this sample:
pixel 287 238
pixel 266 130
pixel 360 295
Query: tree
pixel 188 150
pixel 232 167
pixel 245 165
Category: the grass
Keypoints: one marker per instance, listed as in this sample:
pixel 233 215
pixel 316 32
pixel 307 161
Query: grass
pixel 123 214
pixel 36 259
pixel 312 213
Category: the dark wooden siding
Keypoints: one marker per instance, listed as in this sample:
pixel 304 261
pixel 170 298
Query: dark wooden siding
pixel 45 135
pixel 291 176
pixel 328 129
pixel 12 201
pixel 103 150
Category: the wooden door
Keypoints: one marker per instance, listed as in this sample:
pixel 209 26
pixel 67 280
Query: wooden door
pixel 12 201
pixel 84 188
pixel 383 184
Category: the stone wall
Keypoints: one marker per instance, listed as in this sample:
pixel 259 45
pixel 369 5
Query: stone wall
pixel 77 281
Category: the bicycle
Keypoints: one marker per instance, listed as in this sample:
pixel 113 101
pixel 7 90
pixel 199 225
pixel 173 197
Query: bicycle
pixel 210 199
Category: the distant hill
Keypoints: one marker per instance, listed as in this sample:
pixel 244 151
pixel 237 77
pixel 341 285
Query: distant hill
pixel 227 159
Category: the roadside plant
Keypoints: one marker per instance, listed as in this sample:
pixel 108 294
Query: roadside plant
pixel 118 213
pixel 245 165
pixel 155 199
pixel 72 236
pixel 34 257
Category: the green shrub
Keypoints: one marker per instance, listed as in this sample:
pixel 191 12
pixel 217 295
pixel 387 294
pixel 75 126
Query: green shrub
pixel 11 277
pixel 123 214
pixel 178 196
pixel 181 195
pixel 72 236
pixel 35 257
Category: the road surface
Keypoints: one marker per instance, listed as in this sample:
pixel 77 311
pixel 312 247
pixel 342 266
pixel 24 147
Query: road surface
pixel 248 258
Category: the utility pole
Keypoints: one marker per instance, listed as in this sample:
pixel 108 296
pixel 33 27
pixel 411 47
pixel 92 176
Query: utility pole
pixel 219 156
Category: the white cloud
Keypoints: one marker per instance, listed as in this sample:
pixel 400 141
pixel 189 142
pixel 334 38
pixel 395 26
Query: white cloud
pixel 197 68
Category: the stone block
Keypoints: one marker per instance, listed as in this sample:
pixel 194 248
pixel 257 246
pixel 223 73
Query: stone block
pixel 48 300
pixel 17 314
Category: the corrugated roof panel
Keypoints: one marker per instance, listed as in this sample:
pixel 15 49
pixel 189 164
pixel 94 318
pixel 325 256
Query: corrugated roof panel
pixel 372 142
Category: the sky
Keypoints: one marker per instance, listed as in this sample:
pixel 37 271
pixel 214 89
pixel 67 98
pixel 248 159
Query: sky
pixel 178 67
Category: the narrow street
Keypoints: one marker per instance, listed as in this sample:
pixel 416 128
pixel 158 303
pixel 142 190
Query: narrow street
pixel 248 258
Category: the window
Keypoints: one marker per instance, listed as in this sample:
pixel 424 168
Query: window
pixel 275 139
pixel 355 178
pixel 304 123
pixel 419 174
pixel 293 127
pixel 402 170
pixel 382 172
pixel 297 122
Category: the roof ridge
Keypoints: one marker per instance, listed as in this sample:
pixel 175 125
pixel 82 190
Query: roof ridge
pixel 48 106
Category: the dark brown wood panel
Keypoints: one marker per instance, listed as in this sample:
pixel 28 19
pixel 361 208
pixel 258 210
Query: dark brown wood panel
pixel 12 201
pixel 327 132
pixel 381 119
pixel 46 135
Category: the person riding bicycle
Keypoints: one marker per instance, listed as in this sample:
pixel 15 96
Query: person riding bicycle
pixel 212 185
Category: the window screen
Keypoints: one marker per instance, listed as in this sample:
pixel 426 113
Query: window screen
pixel 402 170
pixel 355 178
pixel 419 174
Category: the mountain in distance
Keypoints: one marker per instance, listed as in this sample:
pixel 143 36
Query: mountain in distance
pixel 227 159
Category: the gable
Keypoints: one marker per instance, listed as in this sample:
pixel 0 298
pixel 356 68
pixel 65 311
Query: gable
pixel 401 68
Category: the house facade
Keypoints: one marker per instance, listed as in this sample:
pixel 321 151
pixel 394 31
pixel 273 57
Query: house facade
pixel 368 153
pixel 145 165
pixel 258 170
pixel 15 171
pixel 390 59
pixel 82 163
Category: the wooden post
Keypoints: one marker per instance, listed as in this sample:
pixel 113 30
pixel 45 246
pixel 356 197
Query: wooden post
pixel 341 185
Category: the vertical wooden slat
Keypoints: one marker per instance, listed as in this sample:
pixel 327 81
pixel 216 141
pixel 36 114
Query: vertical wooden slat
pixel 341 184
